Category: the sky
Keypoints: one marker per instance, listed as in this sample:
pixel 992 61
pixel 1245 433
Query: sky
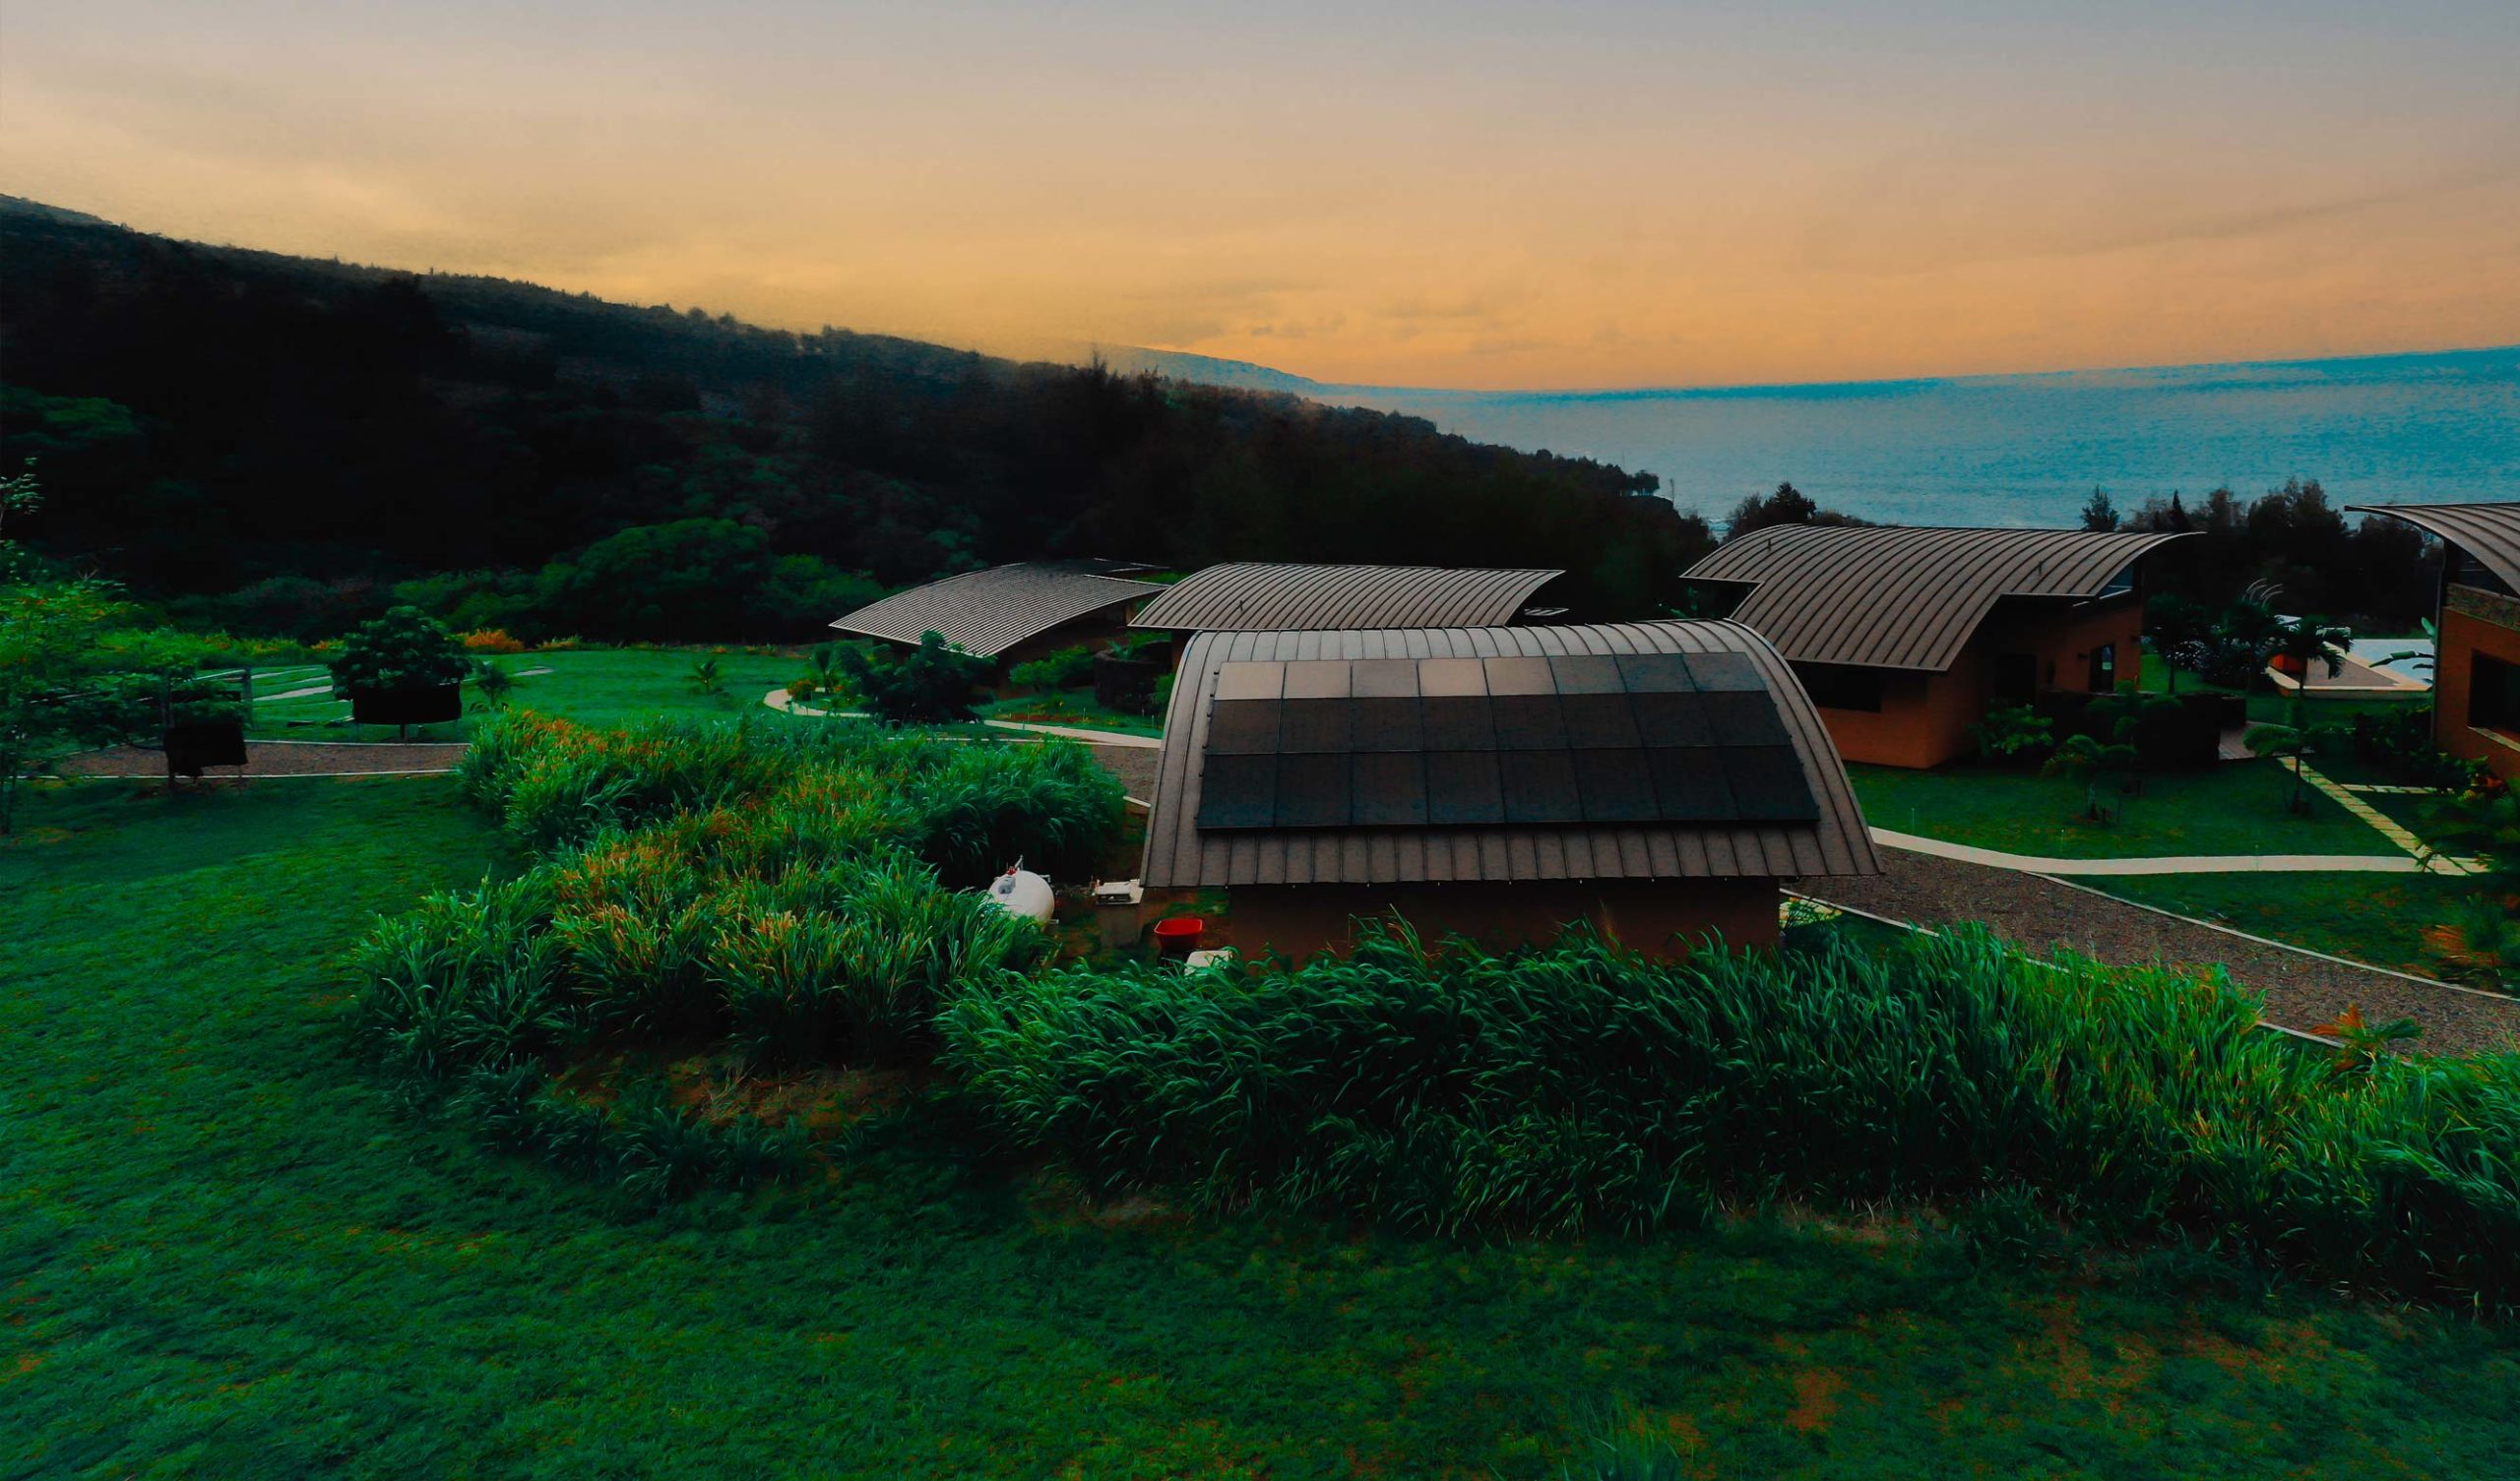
pixel 1576 194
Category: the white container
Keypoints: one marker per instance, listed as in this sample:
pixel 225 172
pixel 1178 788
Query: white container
pixel 1021 892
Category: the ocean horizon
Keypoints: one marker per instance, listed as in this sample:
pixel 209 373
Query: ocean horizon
pixel 2016 450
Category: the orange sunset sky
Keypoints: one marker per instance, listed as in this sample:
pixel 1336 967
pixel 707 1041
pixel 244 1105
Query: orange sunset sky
pixel 1569 194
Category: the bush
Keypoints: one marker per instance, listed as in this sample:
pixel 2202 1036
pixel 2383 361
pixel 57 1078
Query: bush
pixel 1069 668
pixel 1054 807
pixel 405 648
pixel 491 641
pixel 1579 1087
pixel 934 685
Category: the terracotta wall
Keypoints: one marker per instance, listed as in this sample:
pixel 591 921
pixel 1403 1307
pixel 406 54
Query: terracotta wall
pixel 2464 633
pixel 1659 917
pixel 1924 718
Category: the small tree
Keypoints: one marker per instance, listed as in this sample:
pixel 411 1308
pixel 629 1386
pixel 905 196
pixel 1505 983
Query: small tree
pixel 2087 759
pixel 2125 712
pixel 704 678
pixel 404 649
pixel 48 634
pixel 495 685
pixel 2177 625
pixel 2291 742
pixel 931 685
pixel 2307 641
pixel 2100 512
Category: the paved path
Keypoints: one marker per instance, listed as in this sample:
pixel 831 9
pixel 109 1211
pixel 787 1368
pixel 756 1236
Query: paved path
pixel 778 700
pixel 2302 988
pixel 2387 827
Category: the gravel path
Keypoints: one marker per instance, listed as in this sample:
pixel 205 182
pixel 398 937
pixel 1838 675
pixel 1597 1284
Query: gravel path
pixel 275 759
pixel 1135 765
pixel 2301 990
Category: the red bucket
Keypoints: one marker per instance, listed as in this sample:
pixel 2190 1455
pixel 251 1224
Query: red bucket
pixel 1179 936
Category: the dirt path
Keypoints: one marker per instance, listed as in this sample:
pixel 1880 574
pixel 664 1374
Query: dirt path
pixel 278 759
pixel 2301 990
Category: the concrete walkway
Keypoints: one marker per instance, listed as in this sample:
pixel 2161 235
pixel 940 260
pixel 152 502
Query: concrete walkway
pixel 2387 827
pixel 2205 863
pixel 778 700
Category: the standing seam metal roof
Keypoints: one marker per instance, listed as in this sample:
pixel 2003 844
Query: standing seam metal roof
pixel 1179 854
pixel 988 612
pixel 2489 532
pixel 1256 597
pixel 1905 598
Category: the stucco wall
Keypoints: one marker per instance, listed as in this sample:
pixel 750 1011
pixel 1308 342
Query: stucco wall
pixel 1659 917
pixel 2464 633
pixel 1924 718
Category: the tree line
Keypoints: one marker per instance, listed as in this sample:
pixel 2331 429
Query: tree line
pixel 284 444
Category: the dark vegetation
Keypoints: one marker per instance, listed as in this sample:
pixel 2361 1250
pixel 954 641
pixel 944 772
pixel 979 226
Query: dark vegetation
pixel 285 446
pixel 770 894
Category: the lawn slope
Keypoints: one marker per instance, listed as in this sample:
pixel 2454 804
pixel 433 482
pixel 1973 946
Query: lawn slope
pixel 224 1254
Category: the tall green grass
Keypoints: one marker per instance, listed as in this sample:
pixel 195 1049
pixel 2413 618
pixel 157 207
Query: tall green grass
pixel 1580 1088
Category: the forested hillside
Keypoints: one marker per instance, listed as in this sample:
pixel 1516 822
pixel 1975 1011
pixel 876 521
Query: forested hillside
pixel 277 443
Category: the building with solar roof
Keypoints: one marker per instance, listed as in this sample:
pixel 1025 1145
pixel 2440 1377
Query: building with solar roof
pixel 1905 637
pixel 2476 662
pixel 1011 613
pixel 1660 781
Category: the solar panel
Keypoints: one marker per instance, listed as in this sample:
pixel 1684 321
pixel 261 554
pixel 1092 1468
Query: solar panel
pixel 1385 725
pixel 1656 673
pixel 1242 728
pixel 1312 791
pixel 1540 786
pixel 1744 717
pixel 1451 676
pixel 1462 789
pixel 1587 673
pixel 1238 791
pixel 1528 722
pixel 1385 677
pixel 1614 786
pixel 1768 784
pixel 1314 726
pixel 1390 791
pixel 1317 679
pixel 1671 719
pixel 1718 671
pixel 1690 784
pixel 1520 676
pixel 1595 720
pixel 1459 723
pixel 1250 681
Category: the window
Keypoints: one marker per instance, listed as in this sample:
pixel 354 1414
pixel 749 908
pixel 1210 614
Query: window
pixel 2494 694
pixel 1842 686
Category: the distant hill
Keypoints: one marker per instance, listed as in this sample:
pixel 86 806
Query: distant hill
pixel 1206 370
pixel 280 441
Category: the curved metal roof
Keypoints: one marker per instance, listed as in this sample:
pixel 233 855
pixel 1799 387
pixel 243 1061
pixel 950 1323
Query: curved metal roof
pixel 988 612
pixel 2489 533
pixel 1905 596
pixel 1178 853
pixel 1255 596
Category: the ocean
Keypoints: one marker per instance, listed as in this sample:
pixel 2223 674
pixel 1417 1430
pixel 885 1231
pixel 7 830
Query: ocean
pixel 2029 449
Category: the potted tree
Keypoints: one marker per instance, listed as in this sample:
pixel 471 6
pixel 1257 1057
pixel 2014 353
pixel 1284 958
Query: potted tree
pixel 403 669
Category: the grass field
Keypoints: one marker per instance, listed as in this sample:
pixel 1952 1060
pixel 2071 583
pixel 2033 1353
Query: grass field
pixel 224 1255
pixel 2234 809
pixel 2378 918
pixel 595 686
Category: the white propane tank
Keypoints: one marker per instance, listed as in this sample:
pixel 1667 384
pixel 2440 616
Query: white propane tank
pixel 1021 892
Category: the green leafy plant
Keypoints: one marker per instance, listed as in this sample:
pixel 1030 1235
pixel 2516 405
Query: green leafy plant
pixel 934 684
pixel 405 648
pixel 2087 759
pixel 495 686
pixel 2293 742
pixel 2010 731
pixel 1067 668
pixel 704 678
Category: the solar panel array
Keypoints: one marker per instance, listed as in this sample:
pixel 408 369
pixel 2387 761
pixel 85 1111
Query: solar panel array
pixel 1602 738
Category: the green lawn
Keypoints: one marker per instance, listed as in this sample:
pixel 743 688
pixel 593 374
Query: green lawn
pixel 224 1255
pixel 1073 708
pixel 2267 706
pixel 2378 918
pixel 2233 809
pixel 595 686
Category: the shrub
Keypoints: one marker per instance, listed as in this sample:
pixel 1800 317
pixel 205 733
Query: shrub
pixel 462 982
pixel 1579 1087
pixel 934 684
pixel 405 648
pixel 1069 668
pixel 1050 805
pixel 491 641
